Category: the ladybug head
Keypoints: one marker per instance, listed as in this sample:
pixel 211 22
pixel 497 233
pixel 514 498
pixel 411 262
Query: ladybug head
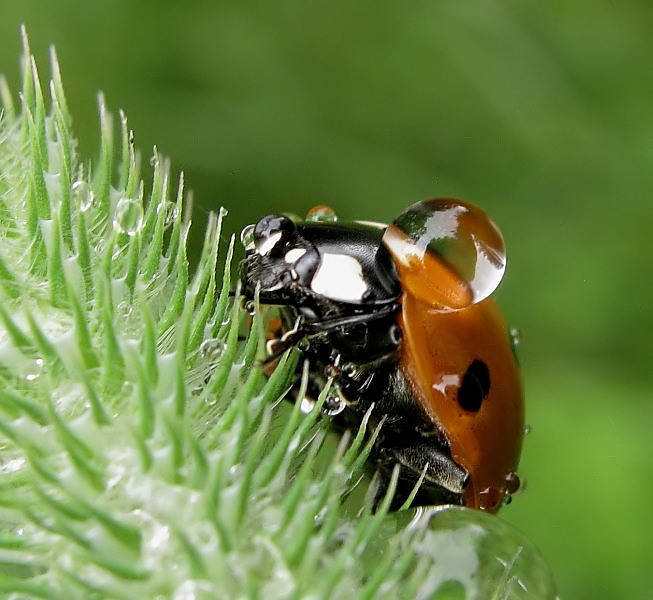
pixel 279 259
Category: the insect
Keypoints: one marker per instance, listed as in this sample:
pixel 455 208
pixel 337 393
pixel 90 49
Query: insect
pixel 400 316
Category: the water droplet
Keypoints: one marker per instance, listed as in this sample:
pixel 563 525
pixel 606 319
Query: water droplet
pixel 307 405
pixel 334 403
pixel 247 238
pixel 35 370
pixel 512 482
pixel 171 211
pixel 321 214
pixel 450 254
pixel 118 252
pixel 84 194
pixel 212 349
pixel 516 337
pixel 125 308
pixel 128 216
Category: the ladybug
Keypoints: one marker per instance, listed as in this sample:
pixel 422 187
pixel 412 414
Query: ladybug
pixel 399 317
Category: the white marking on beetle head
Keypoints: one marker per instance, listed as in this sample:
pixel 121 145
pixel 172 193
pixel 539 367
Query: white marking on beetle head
pixel 268 243
pixel 292 256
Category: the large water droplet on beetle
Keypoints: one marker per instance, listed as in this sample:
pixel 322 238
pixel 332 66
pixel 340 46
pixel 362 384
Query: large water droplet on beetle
pixel 449 252
pixel 321 214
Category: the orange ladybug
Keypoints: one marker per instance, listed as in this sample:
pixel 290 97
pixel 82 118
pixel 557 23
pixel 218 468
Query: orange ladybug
pixel 399 317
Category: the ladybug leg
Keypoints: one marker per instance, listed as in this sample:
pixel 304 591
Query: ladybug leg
pixel 439 468
pixel 325 325
pixel 276 347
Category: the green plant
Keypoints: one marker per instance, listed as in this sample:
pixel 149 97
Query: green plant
pixel 143 452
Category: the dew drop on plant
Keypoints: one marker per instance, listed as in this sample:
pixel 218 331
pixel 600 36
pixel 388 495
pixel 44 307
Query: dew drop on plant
pixel 212 349
pixel 477 554
pixel 515 337
pixel 84 194
pixel 35 370
pixel 125 308
pixel 321 214
pixel 170 211
pixel 128 216
pixel 118 252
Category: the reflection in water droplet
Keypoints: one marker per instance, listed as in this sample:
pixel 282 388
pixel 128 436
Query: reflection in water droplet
pixel 171 211
pixel 36 370
pixel 449 252
pixel 128 216
pixel 464 553
pixel 321 214
pixel 307 405
pixel 212 349
pixel 247 238
pixel 84 194
pixel 516 337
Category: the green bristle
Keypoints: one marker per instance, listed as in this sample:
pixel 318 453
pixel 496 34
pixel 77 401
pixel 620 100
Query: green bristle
pixel 133 252
pixel 22 405
pixel 180 222
pixel 221 306
pixel 177 302
pixel 154 229
pixel 204 282
pixel 112 365
pixel 84 249
pixel 8 109
pixel 127 181
pixel 15 333
pixel 38 189
pixel 55 267
pixel 27 99
pixel 43 344
pixel 102 179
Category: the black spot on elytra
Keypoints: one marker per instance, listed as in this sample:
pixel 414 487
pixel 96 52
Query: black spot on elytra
pixel 475 386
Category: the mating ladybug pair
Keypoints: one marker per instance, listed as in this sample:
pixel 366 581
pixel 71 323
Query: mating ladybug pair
pixel 399 317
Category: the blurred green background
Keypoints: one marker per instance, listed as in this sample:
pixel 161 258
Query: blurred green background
pixel 542 113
